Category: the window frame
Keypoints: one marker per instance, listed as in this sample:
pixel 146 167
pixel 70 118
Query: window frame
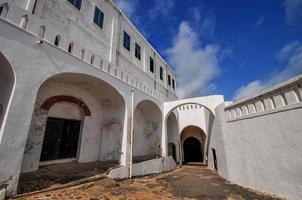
pixel 151 64
pixel 161 73
pixel 169 80
pixel 173 83
pixel 101 17
pixel 74 3
pixel 138 50
pixel 126 43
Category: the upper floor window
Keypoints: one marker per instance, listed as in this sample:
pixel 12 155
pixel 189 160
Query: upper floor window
pixel 161 73
pixel 57 40
pixel 173 83
pixel 127 40
pixel 137 51
pixel 76 3
pixel 151 65
pixel 169 80
pixel 98 17
pixel 1 9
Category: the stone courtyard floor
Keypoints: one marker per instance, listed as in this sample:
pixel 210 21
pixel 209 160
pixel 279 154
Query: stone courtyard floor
pixel 189 182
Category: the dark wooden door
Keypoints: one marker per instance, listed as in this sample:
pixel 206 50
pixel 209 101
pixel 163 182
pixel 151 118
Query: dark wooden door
pixel 60 139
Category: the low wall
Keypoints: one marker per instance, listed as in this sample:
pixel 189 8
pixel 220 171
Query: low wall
pixel 144 168
pixel 261 138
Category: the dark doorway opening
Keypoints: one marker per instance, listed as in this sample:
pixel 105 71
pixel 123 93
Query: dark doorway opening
pixel 60 139
pixel 215 159
pixel 192 150
pixel 172 151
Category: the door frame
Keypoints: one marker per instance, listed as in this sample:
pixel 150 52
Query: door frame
pixel 66 160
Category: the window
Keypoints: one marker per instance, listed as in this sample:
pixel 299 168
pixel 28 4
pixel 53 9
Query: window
pixel 42 31
pixel 83 54
pixel 34 7
pixel 127 40
pixel 137 51
pixel 92 59
pixel 24 22
pixel 70 48
pixel 57 40
pixel 98 17
pixel 161 73
pixel 173 83
pixel 169 80
pixel 4 10
pixel 151 65
pixel 76 3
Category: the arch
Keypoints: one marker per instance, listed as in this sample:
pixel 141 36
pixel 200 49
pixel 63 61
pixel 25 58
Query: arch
pixel 70 47
pixel 198 134
pixel 24 21
pixel 57 41
pixel 184 104
pixel 72 98
pixel 42 31
pixel 64 98
pixel 147 131
pixel 172 130
pixel 4 8
pixel 7 85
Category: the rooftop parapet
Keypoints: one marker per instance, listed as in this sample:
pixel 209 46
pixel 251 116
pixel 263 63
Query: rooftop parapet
pixel 283 96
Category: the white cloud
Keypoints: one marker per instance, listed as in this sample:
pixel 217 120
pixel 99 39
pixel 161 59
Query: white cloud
pixel 161 8
pixel 248 90
pixel 292 55
pixel 203 21
pixel 195 65
pixel 293 10
pixel 127 6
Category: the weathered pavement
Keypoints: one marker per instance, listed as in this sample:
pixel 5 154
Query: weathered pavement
pixel 189 182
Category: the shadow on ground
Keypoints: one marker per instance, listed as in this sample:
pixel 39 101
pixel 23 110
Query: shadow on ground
pixel 189 182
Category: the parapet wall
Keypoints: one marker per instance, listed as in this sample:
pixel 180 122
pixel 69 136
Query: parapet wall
pixel 259 141
pixel 48 33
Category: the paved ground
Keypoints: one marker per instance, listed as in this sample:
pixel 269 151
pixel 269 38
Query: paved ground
pixel 60 174
pixel 189 182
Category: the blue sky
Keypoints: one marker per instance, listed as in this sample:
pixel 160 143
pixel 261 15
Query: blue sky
pixel 235 47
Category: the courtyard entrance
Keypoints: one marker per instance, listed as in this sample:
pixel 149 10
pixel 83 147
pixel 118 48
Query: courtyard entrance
pixel 61 139
pixel 192 150
pixel 193 141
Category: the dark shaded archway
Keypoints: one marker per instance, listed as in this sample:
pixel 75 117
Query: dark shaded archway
pixel 193 141
pixel 192 150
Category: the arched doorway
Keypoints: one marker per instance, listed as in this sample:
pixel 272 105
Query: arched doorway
pixel 63 127
pixel 193 141
pixel 7 81
pixel 147 131
pixel 173 136
pixel 81 117
pixel 192 150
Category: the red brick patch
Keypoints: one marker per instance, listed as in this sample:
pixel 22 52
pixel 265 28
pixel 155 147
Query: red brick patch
pixel 63 98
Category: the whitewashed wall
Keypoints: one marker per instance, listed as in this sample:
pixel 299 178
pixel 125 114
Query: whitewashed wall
pixel 262 146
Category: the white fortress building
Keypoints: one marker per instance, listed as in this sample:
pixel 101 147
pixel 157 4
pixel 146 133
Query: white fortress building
pixel 79 83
